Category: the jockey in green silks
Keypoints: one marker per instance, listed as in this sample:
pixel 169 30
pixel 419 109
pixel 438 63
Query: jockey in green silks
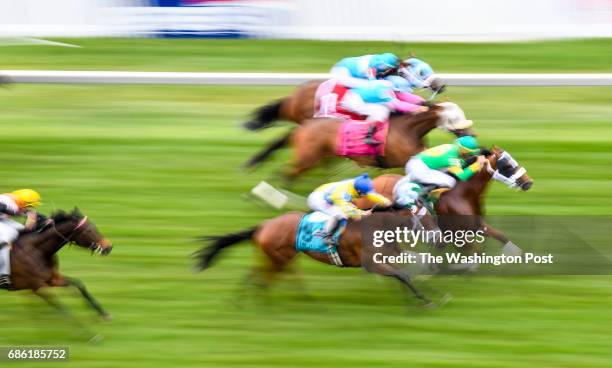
pixel 443 165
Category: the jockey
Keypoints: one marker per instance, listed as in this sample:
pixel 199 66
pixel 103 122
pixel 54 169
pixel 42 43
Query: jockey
pixel 440 165
pixel 334 199
pixel 406 194
pixel 376 101
pixel 19 202
pixel 420 75
pixel 358 71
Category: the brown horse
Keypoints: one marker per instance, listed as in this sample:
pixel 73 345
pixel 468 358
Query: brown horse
pixel 465 199
pixel 300 105
pixel 276 238
pixel 316 139
pixel 297 107
pixel 34 261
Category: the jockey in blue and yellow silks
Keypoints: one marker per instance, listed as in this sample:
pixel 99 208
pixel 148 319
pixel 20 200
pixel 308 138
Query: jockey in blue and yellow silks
pixel 358 71
pixel 335 200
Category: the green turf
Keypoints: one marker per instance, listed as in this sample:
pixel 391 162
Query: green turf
pixel 156 166
pixel 305 56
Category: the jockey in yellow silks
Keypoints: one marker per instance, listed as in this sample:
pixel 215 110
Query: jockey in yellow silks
pixel 335 200
pixel 17 203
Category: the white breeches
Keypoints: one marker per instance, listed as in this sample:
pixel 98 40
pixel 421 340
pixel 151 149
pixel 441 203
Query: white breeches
pixel 9 230
pixel 317 202
pixel 418 172
pixel 374 112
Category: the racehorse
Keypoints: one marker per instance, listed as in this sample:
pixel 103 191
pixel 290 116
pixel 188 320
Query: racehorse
pixel 316 139
pixel 34 261
pixel 300 105
pixel 277 239
pixel 461 207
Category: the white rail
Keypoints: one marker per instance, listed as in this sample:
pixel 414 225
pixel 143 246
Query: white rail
pixel 122 77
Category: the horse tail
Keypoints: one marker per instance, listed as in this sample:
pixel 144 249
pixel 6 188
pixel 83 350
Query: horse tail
pixel 206 255
pixel 265 116
pixel 268 151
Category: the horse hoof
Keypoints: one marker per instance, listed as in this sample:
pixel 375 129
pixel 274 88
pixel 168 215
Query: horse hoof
pixel 252 125
pixel 107 317
pixel 96 339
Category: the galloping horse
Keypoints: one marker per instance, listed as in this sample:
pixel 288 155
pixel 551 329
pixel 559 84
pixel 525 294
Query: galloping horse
pixel 316 139
pixel 300 105
pixel 34 262
pixel 276 238
pixel 465 199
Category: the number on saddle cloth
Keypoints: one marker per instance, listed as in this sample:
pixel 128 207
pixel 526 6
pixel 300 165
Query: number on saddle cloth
pixel 309 233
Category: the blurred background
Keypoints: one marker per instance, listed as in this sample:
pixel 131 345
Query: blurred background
pixel 156 166
pixel 390 20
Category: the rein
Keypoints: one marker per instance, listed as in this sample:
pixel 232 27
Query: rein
pixel 68 239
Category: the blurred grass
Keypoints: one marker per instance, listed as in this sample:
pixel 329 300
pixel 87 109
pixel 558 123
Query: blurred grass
pixel 156 166
pixel 305 56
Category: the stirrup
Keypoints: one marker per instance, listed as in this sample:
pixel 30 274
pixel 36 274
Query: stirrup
pixel 5 282
pixel 334 256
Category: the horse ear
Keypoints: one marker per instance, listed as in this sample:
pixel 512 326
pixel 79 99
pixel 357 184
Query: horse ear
pixel 76 212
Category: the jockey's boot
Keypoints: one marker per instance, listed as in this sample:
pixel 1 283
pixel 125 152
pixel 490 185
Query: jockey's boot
pixel 369 140
pixel 5 280
pixel 424 197
pixel 332 237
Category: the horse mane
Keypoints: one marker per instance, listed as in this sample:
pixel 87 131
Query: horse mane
pixel 412 121
pixel 62 216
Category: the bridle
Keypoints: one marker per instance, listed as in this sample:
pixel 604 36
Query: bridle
pixel 93 246
pixel 512 180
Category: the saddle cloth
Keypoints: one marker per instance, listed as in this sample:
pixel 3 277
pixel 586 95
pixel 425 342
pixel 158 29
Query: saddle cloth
pixel 351 136
pixel 308 235
pixel 327 98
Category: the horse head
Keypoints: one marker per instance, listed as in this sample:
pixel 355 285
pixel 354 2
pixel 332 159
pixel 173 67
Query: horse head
pixel 421 75
pixel 504 168
pixel 75 228
pixel 451 118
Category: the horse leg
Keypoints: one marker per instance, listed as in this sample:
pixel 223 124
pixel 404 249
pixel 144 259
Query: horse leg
pixel 508 247
pixel 406 281
pixel 496 234
pixel 52 301
pixel 58 280
pixel 308 151
pixel 387 270
pixel 93 303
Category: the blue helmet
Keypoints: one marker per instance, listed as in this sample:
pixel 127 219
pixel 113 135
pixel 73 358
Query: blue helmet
pixel 399 84
pixel 384 61
pixel 363 184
